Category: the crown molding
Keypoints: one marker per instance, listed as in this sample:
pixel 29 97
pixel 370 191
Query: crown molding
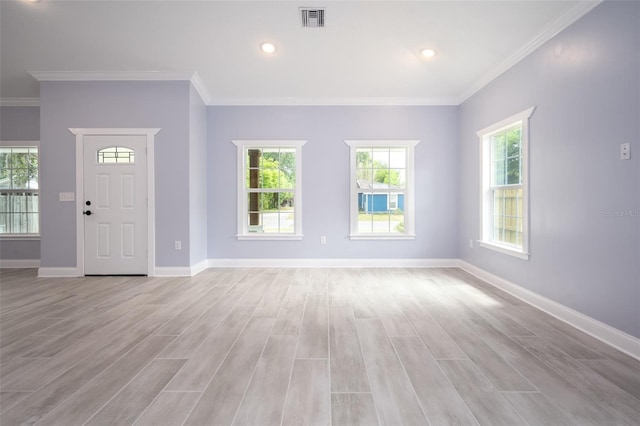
pixel 20 102
pixel 548 32
pixel 201 88
pixel 112 75
pixel 191 76
pixel 316 101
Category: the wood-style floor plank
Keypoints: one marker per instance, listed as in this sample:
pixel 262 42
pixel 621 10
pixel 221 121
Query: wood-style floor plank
pixel 314 332
pixel 617 401
pixel 168 409
pixel 498 371
pixel 573 402
pixel 353 409
pixel 621 375
pixel 393 394
pixel 289 317
pixel 348 372
pixel 440 344
pixel 309 400
pixel 223 395
pixel 268 346
pixel 8 399
pixel 131 401
pixel 537 409
pixel 191 338
pixel 54 366
pixel 273 298
pixel 196 373
pixel 439 399
pixel 263 403
pixel 484 401
pixel 176 325
pixel 103 387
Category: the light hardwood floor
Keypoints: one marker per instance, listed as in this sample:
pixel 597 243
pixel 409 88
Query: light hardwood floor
pixel 298 346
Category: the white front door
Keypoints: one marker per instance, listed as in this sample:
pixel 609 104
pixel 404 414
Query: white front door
pixel 115 205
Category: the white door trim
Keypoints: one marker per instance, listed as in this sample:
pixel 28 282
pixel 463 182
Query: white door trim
pixel 151 215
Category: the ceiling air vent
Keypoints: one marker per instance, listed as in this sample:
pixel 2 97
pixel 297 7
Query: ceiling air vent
pixel 312 18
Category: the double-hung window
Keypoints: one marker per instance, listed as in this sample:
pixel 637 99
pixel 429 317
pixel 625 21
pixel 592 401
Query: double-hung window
pixel 382 175
pixel 269 189
pixel 19 202
pixel 504 180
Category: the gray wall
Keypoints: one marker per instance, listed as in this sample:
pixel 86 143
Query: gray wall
pixel 325 175
pixel 19 124
pixel 585 83
pixel 197 178
pixel 114 104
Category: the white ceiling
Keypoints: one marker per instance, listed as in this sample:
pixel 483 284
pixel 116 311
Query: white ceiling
pixel 368 53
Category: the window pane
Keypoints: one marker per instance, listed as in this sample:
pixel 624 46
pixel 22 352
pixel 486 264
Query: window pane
pixel 397 178
pixel 398 158
pixel 271 168
pixel 381 222
pixel 19 178
pixel 375 212
pixel 288 167
pixel 513 142
pixel 506 151
pixel 364 178
pixel 380 158
pixel 507 213
pixel 499 145
pixel 380 169
pixel 364 158
pixel 513 171
pixel 116 155
pixel 364 172
pixel 271 212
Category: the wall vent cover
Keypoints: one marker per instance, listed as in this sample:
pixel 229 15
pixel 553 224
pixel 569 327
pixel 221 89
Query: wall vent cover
pixel 312 18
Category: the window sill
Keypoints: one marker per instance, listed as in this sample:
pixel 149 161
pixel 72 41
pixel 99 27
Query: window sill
pixel 382 236
pixel 20 237
pixel 504 250
pixel 263 237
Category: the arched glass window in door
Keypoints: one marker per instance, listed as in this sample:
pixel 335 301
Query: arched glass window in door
pixel 116 154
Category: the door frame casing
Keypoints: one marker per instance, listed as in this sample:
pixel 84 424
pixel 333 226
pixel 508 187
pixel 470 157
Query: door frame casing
pixel 150 133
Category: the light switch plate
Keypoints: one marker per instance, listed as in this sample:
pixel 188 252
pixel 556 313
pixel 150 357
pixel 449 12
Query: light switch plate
pixel 67 196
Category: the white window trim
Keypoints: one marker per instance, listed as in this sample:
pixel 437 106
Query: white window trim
pixel 24 237
pixel 242 231
pixel 409 208
pixel 486 213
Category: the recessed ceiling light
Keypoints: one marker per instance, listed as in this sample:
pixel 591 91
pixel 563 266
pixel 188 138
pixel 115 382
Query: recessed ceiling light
pixel 268 47
pixel 428 53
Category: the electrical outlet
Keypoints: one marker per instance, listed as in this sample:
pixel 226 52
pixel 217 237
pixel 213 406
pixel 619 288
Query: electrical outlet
pixel 625 151
pixel 177 245
pixel 323 239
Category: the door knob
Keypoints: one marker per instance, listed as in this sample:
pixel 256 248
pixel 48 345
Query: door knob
pixel 88 212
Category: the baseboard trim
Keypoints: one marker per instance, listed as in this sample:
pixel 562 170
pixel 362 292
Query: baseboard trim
pixel 172 271
pixel 620 340
pixel 19 263
pixel 198 267
pixel 47 272
pixel 333 263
